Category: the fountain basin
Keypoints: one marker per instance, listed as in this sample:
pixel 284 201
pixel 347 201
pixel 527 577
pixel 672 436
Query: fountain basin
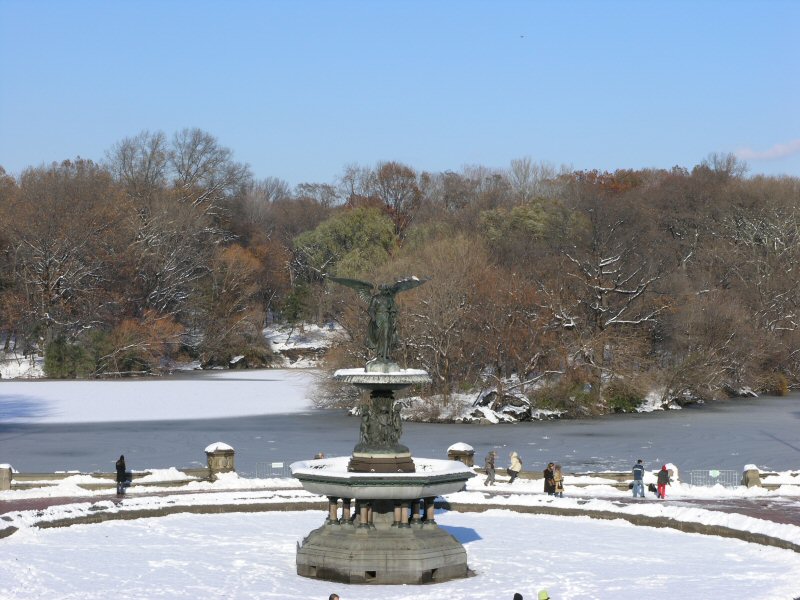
pixel 394 379
pixel 330 477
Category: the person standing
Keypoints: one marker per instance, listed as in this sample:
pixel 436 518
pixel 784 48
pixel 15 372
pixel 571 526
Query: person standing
pixel 549 482
pixel 662 482
pixel 638 479
pixel 558 482
pixel 515 467
pixel 122 474
pixel 488 465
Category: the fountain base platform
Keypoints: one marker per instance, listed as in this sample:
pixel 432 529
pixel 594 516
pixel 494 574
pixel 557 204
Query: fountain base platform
pixel 412 554
pixel 387 532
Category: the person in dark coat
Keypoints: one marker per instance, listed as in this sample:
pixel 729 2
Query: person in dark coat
pixel 638 479
pixel 663 481
pixel 122 475
pixel 549 481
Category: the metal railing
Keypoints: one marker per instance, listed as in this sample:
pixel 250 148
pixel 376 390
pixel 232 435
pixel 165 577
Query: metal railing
pixel 713 477
pixel 265 470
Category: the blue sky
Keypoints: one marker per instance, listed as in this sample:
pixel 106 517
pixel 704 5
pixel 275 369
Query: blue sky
pixel 301 89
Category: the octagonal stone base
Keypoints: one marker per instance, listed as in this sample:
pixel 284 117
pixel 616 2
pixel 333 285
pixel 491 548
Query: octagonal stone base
pixel 417 553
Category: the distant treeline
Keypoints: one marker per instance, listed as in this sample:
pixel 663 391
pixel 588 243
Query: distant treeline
pixel 586 289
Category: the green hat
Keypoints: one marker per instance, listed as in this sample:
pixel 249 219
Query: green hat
pixel 543 595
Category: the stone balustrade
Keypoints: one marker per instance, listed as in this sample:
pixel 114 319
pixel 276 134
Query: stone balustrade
pixel 220 459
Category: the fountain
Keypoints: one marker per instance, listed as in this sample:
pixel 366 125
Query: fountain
pixel 387 533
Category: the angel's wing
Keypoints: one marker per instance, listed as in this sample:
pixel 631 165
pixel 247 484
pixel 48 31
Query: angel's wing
pixel 364 288
pixel 407 284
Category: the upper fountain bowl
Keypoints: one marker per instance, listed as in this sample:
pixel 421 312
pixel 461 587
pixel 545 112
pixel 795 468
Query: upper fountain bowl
pixel 387 376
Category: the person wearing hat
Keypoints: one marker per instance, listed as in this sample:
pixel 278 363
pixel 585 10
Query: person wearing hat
pixel 543 595
pixel 663 481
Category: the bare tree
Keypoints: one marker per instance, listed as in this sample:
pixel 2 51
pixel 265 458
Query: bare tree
pixel 204 173
pixel 140 164
pixel 532 180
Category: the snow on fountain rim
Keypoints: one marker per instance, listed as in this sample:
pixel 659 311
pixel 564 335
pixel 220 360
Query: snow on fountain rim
pixel 337 467
pixel 399 377
pixel 363 371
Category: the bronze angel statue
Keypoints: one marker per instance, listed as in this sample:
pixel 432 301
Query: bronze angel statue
pixel 382 329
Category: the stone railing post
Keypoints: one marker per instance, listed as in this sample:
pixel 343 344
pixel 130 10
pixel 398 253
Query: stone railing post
pixel 220 459
pixel 751 476
pixel 6 473
pixel 463 453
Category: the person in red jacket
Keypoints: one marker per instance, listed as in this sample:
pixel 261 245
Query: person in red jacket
pixel 663 482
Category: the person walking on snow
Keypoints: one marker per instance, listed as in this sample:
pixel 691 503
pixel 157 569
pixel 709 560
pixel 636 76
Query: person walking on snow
pixel 638 479
pixel 489 466
pixel 549 482
pixel 515 467
pixel 663 482
pixel 558 482
pixel 122 474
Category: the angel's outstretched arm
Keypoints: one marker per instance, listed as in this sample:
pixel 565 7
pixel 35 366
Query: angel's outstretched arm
pixel 407 284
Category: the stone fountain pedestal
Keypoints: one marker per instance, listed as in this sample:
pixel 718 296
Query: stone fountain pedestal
pixel 386 532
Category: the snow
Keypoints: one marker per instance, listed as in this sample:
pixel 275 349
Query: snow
pixel 252 555
pixel 280 338
pixel 217 447
pixel 307 337
pixel 164 475
pixel 252 392
pixel 13 365
pixel 363 372
pixel 461 447
pixel 338 466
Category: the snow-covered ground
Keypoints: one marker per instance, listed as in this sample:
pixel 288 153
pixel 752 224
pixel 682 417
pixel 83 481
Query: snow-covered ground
pixel 252 555
pixel 13 365
pixel 207 395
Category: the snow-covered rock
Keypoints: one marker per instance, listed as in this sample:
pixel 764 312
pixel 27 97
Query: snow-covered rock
pixel 303 346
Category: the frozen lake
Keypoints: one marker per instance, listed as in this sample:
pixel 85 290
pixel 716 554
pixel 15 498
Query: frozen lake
pixel 726 435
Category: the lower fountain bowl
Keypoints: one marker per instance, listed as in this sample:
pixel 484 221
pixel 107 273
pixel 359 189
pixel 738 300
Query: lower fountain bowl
pixel 432 477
